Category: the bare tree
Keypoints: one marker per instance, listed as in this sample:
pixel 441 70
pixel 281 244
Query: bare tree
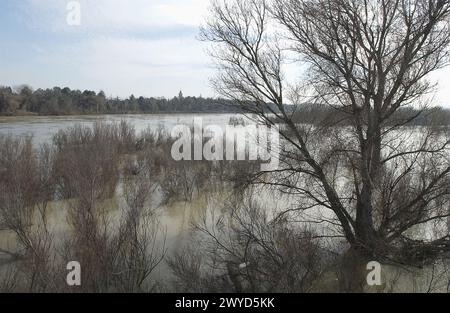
pixel 118 253
pixel 25 191
pixel 365 59
pixel 241 249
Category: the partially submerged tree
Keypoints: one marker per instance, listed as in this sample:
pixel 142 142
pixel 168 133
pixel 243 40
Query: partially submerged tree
pixel 243 249
pixel 367 60
pixel 25 189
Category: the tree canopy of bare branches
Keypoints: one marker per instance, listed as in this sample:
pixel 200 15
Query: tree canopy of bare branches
pixel 367 60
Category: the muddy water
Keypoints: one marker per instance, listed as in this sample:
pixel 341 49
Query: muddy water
pixel 176 217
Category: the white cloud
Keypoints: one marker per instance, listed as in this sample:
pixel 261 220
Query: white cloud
pixel 143 47
pixel 131 15
pixel 122 66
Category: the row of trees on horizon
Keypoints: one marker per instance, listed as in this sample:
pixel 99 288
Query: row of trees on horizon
pixel 65 101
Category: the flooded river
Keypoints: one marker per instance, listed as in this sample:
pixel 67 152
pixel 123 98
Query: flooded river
pixel 43 128
pixel 176 217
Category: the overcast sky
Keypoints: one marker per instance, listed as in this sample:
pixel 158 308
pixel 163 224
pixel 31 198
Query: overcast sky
pixel 140 47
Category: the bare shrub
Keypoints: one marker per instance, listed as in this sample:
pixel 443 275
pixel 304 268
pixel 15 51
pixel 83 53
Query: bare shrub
pixel 181 180
pixel 127 138
pixel 192 274
pixel 87 162
pixel 25 189
pixel 116 255
pixel 117 252
pixel 8 280
pixel 246 251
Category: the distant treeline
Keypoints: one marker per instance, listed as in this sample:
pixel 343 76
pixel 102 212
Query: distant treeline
pixel 408 116
pixel 64 101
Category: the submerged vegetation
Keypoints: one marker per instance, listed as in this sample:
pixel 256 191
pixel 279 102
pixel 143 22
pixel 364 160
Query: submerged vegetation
pixel 97 196
pixel 74 180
